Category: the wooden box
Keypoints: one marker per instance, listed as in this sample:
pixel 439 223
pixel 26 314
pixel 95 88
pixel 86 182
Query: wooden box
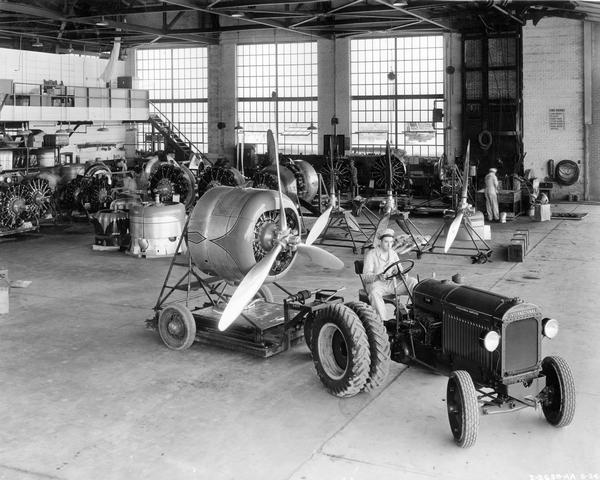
pixel 542 213
pixel 516 250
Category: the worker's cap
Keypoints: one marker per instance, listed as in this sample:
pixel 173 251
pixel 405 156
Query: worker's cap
pixel 493 170
pixel 388 232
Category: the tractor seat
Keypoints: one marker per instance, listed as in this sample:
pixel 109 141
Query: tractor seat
pixel 363 296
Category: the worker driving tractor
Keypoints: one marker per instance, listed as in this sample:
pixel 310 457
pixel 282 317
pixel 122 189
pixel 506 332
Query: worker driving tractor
pixel 376 261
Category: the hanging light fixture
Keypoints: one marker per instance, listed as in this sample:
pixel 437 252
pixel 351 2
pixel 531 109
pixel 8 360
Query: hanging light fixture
pixel 237 14
pixel 132 127
pixel 61 130
pixel 37 43
pixel 103 128
pixel 102 22
pixel 69 130
pixel 311 126
pixel 238 126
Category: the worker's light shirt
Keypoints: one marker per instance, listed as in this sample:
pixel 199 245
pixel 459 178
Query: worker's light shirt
pixel 376 261
pixel 491 182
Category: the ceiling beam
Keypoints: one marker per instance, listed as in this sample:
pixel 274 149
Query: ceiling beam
pixel 416 15
pixel 247 18
pixel 45 13
pixel 330 12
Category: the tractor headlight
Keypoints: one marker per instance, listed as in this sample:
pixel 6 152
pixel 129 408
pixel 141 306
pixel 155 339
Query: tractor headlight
pixel 550 327
pixel 490 340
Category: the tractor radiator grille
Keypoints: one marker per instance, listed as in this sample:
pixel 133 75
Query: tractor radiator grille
pixel 520 344
pixel 461 338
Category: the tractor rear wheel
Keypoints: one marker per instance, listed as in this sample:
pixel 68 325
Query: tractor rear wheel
pixel 558 404
pixel 340 350
pixel 177 327
pixel 463 408
pixel 379 344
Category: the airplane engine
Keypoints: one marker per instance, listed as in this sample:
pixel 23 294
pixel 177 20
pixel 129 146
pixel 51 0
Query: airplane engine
pixel 267 179
pixel 231 229
pixel 299 179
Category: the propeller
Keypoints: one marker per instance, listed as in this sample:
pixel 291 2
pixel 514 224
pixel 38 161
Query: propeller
pixel 455 225
pixel 284 240
pixel 389 203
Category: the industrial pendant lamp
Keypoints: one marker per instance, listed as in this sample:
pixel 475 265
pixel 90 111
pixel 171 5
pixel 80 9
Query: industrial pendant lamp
pixel 132 127
pixel 238 126
pixel 103 128
pixel 311 126
pixel 61 130
pixel 37 43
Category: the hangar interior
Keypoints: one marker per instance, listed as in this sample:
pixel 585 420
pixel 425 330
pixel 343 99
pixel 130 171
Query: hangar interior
pixel 191 189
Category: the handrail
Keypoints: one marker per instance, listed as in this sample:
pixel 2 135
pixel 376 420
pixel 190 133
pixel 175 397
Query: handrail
pixel 173 128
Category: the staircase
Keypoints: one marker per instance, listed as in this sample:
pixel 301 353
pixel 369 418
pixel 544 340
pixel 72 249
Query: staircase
pixel 185 151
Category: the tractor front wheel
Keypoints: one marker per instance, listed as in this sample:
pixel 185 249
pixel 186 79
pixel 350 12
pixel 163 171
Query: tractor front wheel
pixel 463 408
pixel 558 403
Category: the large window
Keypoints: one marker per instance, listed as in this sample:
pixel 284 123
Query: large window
pixel 177 81
pixel 277 88
pixel 395 83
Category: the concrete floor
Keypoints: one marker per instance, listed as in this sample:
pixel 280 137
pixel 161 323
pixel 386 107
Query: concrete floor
pixel 87 392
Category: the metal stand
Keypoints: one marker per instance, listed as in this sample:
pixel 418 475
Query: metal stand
pixel 408 227
pixel 478 254
pixel 338 220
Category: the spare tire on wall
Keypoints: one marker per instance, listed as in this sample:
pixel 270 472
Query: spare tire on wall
pixel 566 172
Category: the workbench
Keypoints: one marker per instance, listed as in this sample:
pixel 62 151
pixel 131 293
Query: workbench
pixel 508 201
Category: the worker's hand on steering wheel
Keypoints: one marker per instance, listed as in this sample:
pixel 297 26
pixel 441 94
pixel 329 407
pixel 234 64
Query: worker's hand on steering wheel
pixel 398 269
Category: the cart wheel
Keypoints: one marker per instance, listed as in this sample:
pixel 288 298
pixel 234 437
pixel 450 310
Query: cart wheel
pixel 177 327
pixel 558 402
pixel 379 344
pixel 340 350
pixel 463 408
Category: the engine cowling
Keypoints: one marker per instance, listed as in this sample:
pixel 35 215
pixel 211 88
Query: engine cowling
pixel 231 229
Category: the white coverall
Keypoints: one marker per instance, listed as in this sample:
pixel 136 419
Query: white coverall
pixel 491 196
pixel 376 261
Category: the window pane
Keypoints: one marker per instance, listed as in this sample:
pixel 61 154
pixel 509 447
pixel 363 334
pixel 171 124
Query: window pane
pixel 177 80
pixel 290 71
pixel 394 82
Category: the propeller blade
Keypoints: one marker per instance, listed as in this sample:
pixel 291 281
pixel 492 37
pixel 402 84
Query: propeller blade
pixel 318 226
pixel 352 221
pixel 272 144
pixel 248 288
pixel 388 159
pixel 463 199
pixel 381 227
pixel 271 148
pixel 321 257
pixel 452 231
pixel 331 174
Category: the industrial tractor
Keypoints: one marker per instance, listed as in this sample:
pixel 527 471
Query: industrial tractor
pixel 489 345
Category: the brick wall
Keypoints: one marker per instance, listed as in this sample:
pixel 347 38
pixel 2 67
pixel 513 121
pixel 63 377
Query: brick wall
pixel 553 78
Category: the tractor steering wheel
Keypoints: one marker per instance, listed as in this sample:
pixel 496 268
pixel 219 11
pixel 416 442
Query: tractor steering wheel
pixel 400 270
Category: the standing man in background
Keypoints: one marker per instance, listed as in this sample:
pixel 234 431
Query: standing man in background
pixel 491 195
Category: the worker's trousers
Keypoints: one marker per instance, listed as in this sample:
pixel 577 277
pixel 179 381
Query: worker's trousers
pixel 378 289
pixel 491 205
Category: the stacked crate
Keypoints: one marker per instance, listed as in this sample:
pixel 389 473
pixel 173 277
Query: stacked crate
pixel 519 245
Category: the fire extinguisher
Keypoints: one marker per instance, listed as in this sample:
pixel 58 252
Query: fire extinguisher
pixel 551 169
